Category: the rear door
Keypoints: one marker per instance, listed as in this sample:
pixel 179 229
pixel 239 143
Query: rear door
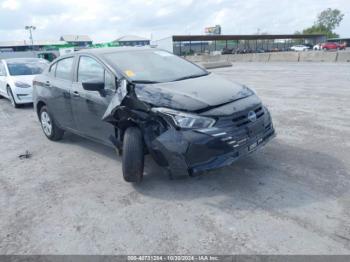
pixel 90 106
pixel 59 86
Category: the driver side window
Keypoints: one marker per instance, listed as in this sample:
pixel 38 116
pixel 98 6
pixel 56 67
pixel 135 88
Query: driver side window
pixel 89 70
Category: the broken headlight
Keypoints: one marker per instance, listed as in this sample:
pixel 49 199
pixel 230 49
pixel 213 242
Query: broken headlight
pixel 186 120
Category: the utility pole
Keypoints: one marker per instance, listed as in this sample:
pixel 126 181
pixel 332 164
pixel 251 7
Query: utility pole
pixel 30 28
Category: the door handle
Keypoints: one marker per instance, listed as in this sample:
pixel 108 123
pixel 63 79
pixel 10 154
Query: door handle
pixel 76 94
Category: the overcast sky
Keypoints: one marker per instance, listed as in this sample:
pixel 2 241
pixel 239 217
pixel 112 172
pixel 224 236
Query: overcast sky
pixel 105 20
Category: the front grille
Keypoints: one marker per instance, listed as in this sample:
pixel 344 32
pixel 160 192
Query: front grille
pixel 241 119
pixel 235 130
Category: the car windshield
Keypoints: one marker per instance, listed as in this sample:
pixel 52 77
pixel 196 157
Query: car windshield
pixel 153 66
pixel 25 68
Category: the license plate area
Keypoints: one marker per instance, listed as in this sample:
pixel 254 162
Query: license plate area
pixel 253 146
pixel 255 128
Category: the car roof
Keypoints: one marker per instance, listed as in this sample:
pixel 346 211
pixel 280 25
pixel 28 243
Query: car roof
pixel 108 50
pixel 21 60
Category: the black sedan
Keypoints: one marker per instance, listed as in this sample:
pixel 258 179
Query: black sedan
pixel 149 101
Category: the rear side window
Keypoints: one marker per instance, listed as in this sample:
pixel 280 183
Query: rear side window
pixel 64 68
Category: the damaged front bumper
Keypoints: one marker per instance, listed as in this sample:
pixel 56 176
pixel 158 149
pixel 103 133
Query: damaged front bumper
pixel 190 152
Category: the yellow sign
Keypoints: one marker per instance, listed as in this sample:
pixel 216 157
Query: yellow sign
pixel 129 73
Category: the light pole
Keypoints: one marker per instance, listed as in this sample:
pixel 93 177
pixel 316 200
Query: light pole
pixel 30 28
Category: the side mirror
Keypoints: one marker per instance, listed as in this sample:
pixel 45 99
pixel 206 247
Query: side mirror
pixel 94 86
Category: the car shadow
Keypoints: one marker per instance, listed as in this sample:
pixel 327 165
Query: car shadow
pixel 72 139
pixel 7 105
pixel 279 175
pixel 26 106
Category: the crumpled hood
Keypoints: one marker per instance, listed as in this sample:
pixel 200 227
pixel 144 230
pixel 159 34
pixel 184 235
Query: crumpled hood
pixel 192 94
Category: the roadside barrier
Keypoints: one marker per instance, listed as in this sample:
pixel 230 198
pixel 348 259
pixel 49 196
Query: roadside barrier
pixel 307 56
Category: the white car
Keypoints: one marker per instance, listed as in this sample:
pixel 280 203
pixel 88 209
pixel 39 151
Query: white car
pixel 317 47
pixel 16 78
pixel 299 48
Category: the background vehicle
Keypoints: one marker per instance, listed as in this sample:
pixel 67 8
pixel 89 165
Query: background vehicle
pixel 300 48
pixel 342 46
pixel 317 47
pixel 331 46
pixel 145 100
pixel 16 77
pixel 227 51
pixel 310 46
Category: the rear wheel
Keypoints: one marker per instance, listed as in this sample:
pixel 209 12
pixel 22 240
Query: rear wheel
pixel 51 130
pixel 133 155
pixel 12 98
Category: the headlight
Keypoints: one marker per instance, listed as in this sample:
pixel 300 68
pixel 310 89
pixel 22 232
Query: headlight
pixel 186 120
pixel 22 85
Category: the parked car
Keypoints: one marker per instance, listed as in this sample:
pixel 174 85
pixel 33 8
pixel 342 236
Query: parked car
pixel 332 46
pixel 227 51
pixel 148 101
pixel 16 77
pixel 299 48
pixel 310 46
pixel 275 49
pixel 342 46
pixel 317 47
pixel 260 50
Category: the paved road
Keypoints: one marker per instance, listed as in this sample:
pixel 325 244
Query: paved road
pixel 292 197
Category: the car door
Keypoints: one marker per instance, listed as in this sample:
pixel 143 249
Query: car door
pixel 90 106
pixel 3 79
pixel 59 86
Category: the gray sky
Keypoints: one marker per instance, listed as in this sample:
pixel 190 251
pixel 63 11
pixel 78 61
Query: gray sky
pixel 105 20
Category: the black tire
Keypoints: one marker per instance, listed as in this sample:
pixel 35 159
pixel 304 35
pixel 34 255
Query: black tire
pixel 55 133
pixel 133 155
pixel 11 97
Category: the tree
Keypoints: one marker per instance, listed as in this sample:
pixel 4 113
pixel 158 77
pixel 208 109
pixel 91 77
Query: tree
pixel 326 22
pixel 320 29
pixel 330 18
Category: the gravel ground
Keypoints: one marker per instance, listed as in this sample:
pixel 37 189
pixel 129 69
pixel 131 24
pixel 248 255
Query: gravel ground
pixel 291 197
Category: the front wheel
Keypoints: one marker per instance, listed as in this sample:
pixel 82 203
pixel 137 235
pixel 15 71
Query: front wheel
pixel 133 155
pixel 51 130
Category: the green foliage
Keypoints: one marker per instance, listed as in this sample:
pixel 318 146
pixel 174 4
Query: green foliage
pixel 326 22
pixel 330 18
pixel 320 29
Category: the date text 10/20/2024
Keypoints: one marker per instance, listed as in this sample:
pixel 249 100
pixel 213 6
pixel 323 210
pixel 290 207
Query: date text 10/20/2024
pixel 173 258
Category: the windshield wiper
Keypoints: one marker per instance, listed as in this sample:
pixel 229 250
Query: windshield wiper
pixel 144 82
pixel 189 77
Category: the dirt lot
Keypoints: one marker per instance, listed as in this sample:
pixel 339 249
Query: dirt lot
pixel 292 197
